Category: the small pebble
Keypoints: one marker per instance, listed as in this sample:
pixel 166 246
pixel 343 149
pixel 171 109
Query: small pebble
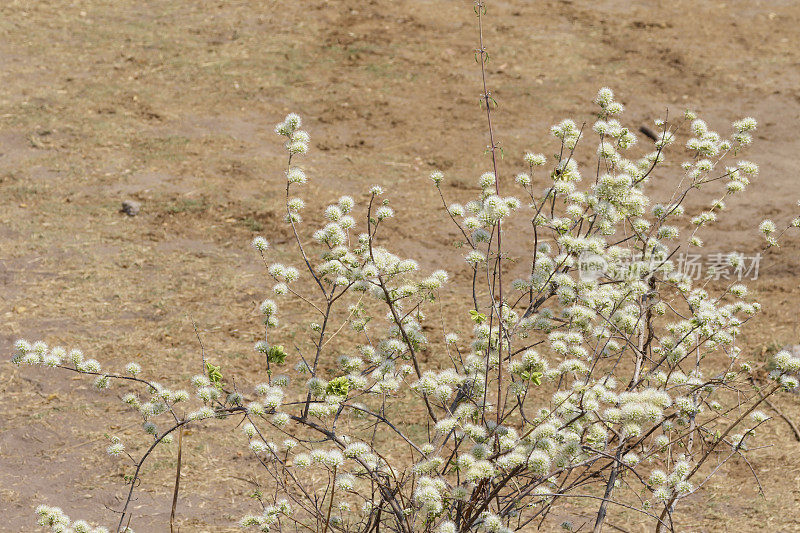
pixel 131 208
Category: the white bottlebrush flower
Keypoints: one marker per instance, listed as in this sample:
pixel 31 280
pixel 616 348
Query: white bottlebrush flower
pixel 90 365
pixel 683 488
pixel 475 257
pixel 446 425
pixel 447 527
pixel 345 482
pixel 292 121
pixel 180 396
pixel 482 469
pixel 383 212
pixel 744 125
pixel 333 213
pixel 297 147
pixel 662 494
pixel 357 450
pixel 280 289
pixel 281 419
pixel 302 460
pixel 657 478
pixel 200 380
pixel 255 409
pixel 296 176
pixel 76 356
pixel 457 210
pixel 604 97
pixel 81 526
pixel 51 360
pixel 334 459
pixel 294 204
pixel 536 160
pixel 39 347
pixel 487 180
pixel 268 308
pixel 785 362
pixel 258 447
pixel 116 449
pixel 615 108
pixel 492 523
pixel 260 244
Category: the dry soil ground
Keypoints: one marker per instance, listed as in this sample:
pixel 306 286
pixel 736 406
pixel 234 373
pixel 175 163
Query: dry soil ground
pixel 172 103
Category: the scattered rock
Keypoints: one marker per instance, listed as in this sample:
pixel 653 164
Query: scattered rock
pixel 131 208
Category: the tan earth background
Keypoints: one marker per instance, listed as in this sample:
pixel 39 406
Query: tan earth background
pixel 172 103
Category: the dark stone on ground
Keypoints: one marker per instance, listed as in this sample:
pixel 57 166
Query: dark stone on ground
pixel 131 208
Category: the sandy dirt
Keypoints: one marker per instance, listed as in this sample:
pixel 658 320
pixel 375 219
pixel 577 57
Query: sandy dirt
pixel 172 104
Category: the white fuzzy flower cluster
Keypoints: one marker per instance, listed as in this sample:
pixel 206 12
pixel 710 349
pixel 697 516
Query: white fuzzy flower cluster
pixel 439 385
pixel 270 395
pixel 260 243
pixel 612 129
pixel 157 400
pixel 116 448
pixel 785 370
pixel 296 144
pixel 269 309
pixel 297 139
pixel 58 522
pixel 269 517
pixel 608 106
pixel 768 228
pixel 428 495
pixel 665 486
pixel 39 353
pixel 706 142
pixel 481 216
pixel 568 132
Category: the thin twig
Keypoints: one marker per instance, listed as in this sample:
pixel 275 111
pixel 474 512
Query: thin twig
pixel 772 406
pixel 330 504
pixel 177 483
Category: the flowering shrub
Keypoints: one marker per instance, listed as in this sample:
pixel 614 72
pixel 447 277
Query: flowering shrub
pixel 614 387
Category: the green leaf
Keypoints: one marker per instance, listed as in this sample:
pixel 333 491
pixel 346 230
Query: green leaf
pixel 276 354
pixel 214 374
pixel 533 377
pixel 338 387
pixel 478 318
